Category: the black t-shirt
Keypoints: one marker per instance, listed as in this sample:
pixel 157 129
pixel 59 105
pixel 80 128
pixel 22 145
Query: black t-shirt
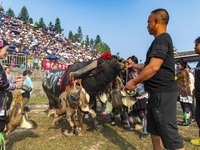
pixel 164 80
pixel 197 82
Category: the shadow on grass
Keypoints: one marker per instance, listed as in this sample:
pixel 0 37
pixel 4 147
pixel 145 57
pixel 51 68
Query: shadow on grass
pixel 62 124
pixel 109 133
pixel 18 136
pixel 112 135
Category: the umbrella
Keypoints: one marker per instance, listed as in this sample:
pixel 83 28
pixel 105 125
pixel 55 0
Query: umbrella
pixel 16 32
pixel 52 57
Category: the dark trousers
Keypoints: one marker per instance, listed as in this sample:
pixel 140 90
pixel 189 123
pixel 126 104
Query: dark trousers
pixel 197 114
pixel 10 98
pixel 192 108
pixel 2 124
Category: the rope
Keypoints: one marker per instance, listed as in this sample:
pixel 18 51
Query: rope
pixel 2 142
pixel 130 93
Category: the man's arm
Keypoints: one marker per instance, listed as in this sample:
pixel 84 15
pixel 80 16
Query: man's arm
pixel 148 72
pixel 137 66
pixel 134 65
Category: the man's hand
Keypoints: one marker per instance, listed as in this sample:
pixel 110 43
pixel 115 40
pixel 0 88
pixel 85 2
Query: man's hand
pixel 19 85
pixel 130 85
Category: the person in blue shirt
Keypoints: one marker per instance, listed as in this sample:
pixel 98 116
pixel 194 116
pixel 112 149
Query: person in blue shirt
pixel 26 91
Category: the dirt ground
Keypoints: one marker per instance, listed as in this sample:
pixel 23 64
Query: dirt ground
pixel 48 137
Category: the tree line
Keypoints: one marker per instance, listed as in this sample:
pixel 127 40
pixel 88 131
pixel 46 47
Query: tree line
pixel 86 42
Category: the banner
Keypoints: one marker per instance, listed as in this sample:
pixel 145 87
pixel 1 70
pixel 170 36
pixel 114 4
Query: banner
pixel 47 65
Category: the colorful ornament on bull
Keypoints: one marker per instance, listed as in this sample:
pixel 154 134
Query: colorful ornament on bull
pixel 106 55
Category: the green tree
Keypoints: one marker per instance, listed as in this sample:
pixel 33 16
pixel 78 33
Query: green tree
pixel 70 35
pixel 92 43
pixel 102 47
pixel 10 13
pixel 36 24
pixel 80 35
pixel 1 9
pixel 87 41
pixel 57 26
pixel 75 38
pixel 41 23
pixel 50 26
pixel 31 20
pixel 23 15
pixel 97 41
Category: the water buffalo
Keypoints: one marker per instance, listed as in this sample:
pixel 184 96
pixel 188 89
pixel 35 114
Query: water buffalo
pixel 94 80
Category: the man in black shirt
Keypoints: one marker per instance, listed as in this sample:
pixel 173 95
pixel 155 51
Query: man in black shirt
pixel 158 76
pixel 197 91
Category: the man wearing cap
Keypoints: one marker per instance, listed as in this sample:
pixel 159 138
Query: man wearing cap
pixel 26 91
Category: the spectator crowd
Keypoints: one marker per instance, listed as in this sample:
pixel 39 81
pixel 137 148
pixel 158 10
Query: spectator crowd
pixel 38 44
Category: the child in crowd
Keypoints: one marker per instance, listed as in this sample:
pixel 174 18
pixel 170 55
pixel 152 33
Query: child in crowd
pixel 26 92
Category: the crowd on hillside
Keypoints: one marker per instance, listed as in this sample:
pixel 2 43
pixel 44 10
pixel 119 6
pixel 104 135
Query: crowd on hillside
pixel 26 39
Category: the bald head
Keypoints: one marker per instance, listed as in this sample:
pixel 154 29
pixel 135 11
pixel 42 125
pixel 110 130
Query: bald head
pixel 162 15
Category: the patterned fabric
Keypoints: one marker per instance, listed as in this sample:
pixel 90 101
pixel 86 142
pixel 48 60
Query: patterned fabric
pixel 4 86
pixel 183 81
pixel 141 94
pixel 52 81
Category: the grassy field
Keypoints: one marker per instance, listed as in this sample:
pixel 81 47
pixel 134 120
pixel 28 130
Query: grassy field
pixel 48 137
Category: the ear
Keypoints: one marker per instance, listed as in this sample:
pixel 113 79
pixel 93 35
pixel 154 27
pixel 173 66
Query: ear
pixel 157 21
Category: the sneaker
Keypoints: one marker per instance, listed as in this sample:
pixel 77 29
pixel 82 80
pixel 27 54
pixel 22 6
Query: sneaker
pixel 112 123
pixel 184 124
pixel 195 141
pixel 143 135
pixel 193 120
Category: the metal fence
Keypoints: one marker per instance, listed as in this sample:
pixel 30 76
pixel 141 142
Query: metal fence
pixel 15 60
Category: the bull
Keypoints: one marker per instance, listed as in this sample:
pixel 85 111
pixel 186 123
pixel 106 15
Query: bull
pixel 95 77
pixel 73 103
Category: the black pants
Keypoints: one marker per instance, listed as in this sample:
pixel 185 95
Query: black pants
pixel 10 98
pixel 197 114
pixel 2 123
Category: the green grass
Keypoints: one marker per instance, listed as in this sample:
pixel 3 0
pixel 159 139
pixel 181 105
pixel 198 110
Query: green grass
pixel 38 100
pixel 48 137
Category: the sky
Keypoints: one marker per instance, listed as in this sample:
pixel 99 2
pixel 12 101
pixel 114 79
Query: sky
pixel 121 24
